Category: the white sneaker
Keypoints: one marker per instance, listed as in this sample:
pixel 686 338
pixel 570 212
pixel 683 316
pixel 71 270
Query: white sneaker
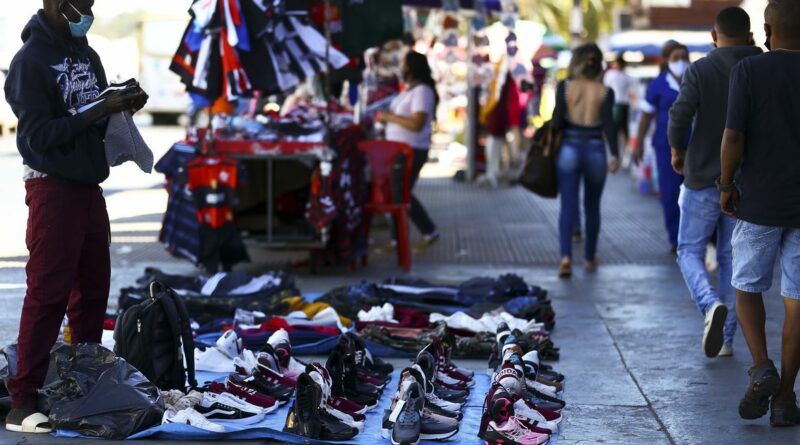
pixel 726 351
pixel 521 408
pixel 714 324
pixel 541 387
pixel 191 417
pixel 230 345
pixel 231 400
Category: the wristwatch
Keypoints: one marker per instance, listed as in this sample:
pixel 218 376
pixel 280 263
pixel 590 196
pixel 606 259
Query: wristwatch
pixel 724 187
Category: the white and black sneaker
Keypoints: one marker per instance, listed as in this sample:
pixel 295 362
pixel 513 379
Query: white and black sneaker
pixel 191 417
pixel 713 335
pixel 226 406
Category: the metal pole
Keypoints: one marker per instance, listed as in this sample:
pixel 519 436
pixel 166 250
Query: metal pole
pixel 472 111
pixel 328 71
pixel 576 23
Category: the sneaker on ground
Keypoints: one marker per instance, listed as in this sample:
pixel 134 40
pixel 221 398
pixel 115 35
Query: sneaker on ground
pixel 189 416
pixel 406 417
pixel 513 432
pixel 226 406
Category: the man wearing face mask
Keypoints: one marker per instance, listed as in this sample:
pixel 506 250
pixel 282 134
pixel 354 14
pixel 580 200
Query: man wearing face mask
pixel 762 138
pixel 661 94
pixel 703 103
pixel 68 271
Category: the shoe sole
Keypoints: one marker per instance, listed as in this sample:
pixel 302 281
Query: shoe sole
pixel 781 423
pixel 713 338
pixel 406 442
pixel 438 436
pixel 755 402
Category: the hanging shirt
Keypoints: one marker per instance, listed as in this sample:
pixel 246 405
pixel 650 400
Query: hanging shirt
pixel 661 94
pixel 417 99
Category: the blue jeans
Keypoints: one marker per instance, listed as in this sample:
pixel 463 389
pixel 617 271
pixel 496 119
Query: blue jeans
pixel 581 159
pixel 700 215
pixel 754 251
pixel 669 187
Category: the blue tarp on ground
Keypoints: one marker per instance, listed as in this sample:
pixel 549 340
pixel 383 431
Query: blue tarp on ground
pixel 270 427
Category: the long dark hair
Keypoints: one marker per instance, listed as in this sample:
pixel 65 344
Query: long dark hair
pixel 587 61
pixel 418 70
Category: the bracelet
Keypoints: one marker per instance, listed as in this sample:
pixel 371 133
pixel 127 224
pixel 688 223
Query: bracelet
pixel 724 187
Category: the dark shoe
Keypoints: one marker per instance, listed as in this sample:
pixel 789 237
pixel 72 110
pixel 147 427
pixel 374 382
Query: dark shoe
pixel 764 383
pixel 306 419
pixel 784 412
pixel 407 428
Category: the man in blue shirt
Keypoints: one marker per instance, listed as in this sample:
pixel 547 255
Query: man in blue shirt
pixel 762 138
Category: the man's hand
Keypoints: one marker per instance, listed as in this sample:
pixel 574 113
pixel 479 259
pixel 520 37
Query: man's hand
pixel 729 202
pixel 120 101
pixel 638 152
pixel 678 158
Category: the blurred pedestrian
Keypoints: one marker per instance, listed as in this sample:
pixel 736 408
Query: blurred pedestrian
pixel 68 235
pixel 701 110
pixel 410 121
pixel 584 116
pixel 661 94
pixel 624 86
pixel 762 138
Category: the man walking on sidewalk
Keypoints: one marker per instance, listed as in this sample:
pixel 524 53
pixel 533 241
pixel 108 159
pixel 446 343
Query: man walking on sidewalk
pixel 51 77
pixel 762 136
pixel 703 102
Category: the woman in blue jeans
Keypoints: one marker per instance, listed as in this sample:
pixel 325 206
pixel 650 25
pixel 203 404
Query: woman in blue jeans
pixel 584 116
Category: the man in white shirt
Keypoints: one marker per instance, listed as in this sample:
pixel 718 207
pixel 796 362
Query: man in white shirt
pixel 623 86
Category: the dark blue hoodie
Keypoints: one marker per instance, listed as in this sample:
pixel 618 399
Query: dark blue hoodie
pixel 48 79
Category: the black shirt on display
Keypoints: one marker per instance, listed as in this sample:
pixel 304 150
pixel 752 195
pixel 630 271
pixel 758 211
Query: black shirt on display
pixel 764 104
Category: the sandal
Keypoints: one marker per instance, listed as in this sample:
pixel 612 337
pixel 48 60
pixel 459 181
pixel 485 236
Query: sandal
pixel 36 423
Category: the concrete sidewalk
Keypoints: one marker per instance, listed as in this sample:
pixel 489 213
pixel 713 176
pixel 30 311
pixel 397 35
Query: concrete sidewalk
pixel 629 334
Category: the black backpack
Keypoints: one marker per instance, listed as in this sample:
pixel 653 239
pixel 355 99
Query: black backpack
pixel 148 335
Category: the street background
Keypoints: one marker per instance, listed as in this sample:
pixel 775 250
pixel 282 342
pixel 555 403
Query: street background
pixel 629 335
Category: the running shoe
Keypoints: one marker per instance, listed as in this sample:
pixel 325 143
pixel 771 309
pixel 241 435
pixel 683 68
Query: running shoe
pixel 189 416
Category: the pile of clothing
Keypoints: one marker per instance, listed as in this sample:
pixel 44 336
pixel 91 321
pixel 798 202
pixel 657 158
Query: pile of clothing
pixel 522 405
pixel 429 399
pixel 402 314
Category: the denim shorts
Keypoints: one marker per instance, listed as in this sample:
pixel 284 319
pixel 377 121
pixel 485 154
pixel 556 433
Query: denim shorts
pixel 754 251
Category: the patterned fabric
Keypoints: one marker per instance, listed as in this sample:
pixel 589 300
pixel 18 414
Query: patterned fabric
pixel 337 200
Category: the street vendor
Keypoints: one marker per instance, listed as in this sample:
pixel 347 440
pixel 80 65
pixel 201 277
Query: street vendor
pixel 68 233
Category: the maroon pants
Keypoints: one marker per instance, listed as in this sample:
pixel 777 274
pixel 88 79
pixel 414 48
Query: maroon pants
pixel 69 272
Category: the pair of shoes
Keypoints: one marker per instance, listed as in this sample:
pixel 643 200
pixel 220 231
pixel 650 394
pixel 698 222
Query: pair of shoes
pixel 713 335
pixel 345 382
pixel 764 383
pixel 339 410
pixel 502 425
pixel 409 418
pixel 189 416
pixel 307 419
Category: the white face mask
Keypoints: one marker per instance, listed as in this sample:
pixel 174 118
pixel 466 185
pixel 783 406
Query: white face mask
pixel 678 68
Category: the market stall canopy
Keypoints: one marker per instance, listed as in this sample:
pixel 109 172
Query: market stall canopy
pixel 492 5
pixel 649 43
